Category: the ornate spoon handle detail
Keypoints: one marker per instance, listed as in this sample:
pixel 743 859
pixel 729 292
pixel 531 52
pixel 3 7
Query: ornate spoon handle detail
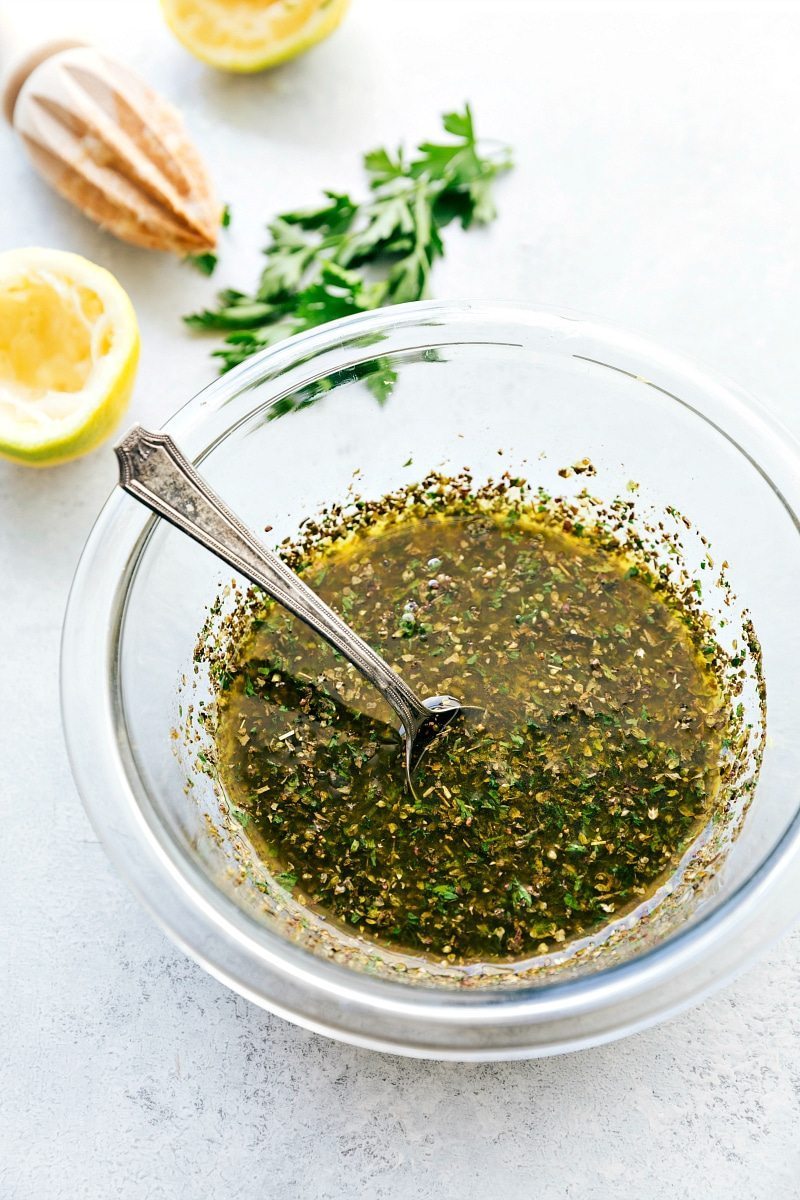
pixel 155 472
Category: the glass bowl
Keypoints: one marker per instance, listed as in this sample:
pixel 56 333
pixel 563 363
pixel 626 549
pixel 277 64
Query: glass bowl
pixel 394 394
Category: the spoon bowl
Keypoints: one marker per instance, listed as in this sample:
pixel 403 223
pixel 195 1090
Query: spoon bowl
pixel 442 711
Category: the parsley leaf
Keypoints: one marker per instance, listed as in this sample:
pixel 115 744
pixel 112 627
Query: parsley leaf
pixel 520 894
pixel 204 263
pixel 314 258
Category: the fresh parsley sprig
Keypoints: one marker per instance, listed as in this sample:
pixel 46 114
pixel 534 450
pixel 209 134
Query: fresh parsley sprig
pixel 344 257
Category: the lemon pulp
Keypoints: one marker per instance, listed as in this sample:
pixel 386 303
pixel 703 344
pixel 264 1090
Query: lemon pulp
pixel 250 35
pixel 68 350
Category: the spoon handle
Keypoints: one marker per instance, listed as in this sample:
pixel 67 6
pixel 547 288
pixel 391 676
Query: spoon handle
pixel 155 472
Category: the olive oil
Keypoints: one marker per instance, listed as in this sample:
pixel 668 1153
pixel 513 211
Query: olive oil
pixel 565 802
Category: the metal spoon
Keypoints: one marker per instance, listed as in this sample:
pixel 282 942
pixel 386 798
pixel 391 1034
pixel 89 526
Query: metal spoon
pixel 153 470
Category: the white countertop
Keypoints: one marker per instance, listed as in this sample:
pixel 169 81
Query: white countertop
pixel 658 186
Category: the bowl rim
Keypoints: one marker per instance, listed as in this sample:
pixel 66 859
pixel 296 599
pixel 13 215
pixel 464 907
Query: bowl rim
pixel 243 953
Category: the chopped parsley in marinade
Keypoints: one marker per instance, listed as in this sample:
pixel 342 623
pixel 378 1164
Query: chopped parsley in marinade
pixel 574 795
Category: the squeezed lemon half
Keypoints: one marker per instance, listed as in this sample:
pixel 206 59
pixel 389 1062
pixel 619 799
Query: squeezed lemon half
pixel 69 345
pixel 249 35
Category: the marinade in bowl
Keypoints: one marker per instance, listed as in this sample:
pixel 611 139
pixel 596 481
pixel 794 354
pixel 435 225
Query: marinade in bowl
pixel 604 745
pixel 569 455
